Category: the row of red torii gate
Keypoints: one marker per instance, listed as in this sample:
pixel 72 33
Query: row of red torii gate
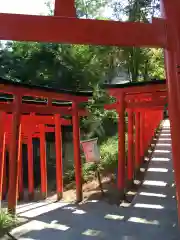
pixel 28 112
pixel 65 27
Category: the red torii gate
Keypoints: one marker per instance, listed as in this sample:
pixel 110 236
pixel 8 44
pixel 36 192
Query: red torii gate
pixel 50 105
pixel 33 127
pixel 164 33
pixel 146 100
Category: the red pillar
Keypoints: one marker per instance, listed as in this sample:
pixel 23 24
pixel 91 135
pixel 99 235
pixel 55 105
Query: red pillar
pixel 59 167
pixel 13 156
pixel 20 165
pixel 130 163
pixel 171 14
pixel 141 135
pixel 43 161
pixel 145 131
pixel 77 156
pixel 4 186
pixel 65 8
pixel 147 128
pixel 30 167
pixel 121 144
pixel 3 169
pixel 2 135
pixel 137 140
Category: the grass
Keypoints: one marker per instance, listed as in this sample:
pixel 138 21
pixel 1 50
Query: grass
pixel 7 222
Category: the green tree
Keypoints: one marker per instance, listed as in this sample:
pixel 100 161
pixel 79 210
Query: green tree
pixel 138 61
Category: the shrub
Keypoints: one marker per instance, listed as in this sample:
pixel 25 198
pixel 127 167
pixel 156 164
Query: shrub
pixel 7 222
pixel 108 162
pixel 88 170
pixel 109 154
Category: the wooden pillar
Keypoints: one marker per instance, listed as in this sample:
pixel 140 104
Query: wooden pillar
pixel 141 135
pixel 4 183
pixel 30 167
pixel 20 165
pixel 59 167
pixel 77 156
pixel 2 139
pixel 43 161
pixel 121 145
pixel 145 131
pixel 137 140
pixel 172 59
pixel 3 169
pixel 13 157
pixel 130 163
pixel 65 8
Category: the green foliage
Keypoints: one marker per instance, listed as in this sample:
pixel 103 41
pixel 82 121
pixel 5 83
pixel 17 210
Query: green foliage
pixel 88 171
pixel 109 154
pixel 69 175
pixel 140 62
pixel 7 222
pixel 89 8
pixel 98 123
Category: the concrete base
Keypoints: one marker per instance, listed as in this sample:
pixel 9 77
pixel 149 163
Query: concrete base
pixel 43 196
pixel 59 196
pixel 79 196
pixel 21 196
pixel 31 196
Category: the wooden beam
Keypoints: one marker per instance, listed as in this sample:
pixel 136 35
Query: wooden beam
pixel 65 8
pixel 155 95
pixel 25 91
pixel 137 90
pixel 146 104
pixel 19 27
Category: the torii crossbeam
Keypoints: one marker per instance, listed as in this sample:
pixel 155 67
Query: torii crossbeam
pixel 64 27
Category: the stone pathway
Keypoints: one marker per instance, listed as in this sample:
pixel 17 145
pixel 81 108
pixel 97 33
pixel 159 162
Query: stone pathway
pixel 152 214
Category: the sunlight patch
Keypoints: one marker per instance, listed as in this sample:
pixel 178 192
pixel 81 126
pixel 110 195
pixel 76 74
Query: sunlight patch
pixel 165 134
pixel 142 220
pixel 92 201
pixel 155 159
pixel 92 232
pixel 42 210
pixel 157 170
pixel 151 206
pixel 36 225
pixel 131 193
pixel 69 208
pixel 155 183
pixel 164 144
pixel 54 224
pixel 142 169
pixel 137 182
pixel 80 212
pixel 153 194
pixel 161 151
pixel 164 139
pixel 114 217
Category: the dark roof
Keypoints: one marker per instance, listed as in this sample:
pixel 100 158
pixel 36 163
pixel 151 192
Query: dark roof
pixel 133 84
pixel 47 89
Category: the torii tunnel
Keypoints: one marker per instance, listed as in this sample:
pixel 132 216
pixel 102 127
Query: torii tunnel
pixel 29 112
pixel 23 117
pixel 65 27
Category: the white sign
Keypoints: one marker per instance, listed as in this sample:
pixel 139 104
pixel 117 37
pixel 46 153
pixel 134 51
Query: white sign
pixel 91 150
